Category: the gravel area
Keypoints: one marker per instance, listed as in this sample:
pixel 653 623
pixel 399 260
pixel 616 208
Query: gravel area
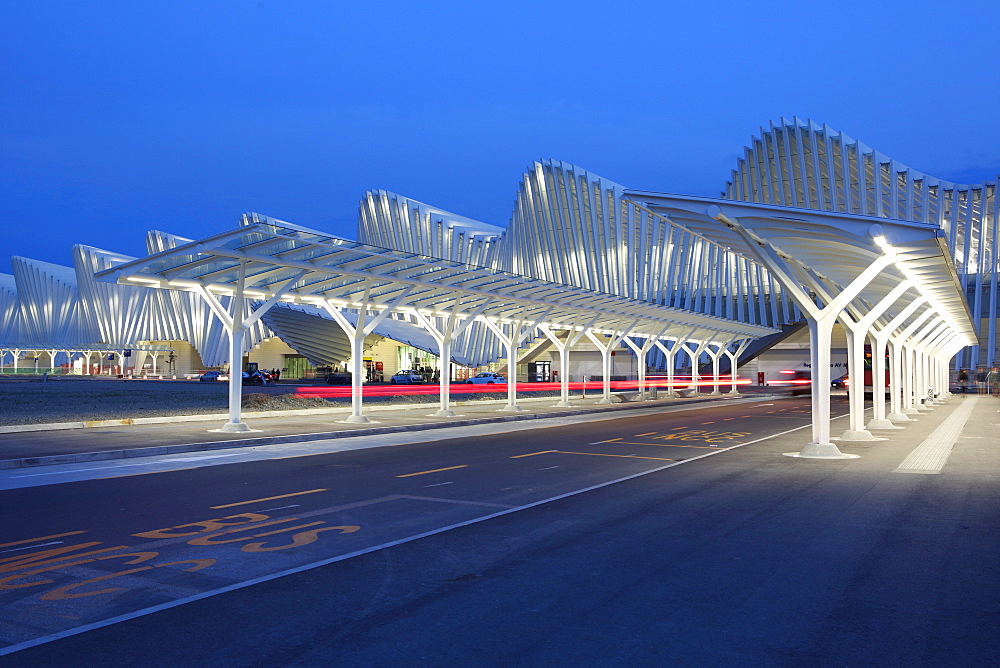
pixel 71 400
pixel 60 399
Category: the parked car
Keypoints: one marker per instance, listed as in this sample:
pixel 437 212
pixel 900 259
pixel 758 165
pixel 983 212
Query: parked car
pixel 214 376
pixel 406 377
pixel 338 378
pixel 487 379
pixel 255 378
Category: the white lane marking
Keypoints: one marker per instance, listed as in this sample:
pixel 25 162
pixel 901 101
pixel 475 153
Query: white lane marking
pixel 548 468
pixel 438 484
pixel 931 455
pixel 32 547
pixel 332 560
pixel 87 470
pixel 267 510
pixel 200 457
pixel 121 466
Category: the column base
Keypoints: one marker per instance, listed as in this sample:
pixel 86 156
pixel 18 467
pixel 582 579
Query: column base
pixel 884 423
pixel 233 428
pixel 605 400
pixel 733 394
pixel 510 408
pixel 444 412
pixel 357 419
pixel 562 404
pixel 858 435
pixel 912 411
pixel 820 451
pixel 715 394
pixel 898 417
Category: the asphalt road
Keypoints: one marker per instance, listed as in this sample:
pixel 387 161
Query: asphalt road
pixel 384 559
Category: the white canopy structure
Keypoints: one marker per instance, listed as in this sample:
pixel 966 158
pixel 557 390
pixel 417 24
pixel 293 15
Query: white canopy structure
pixel 813 225
pixel 888 280
pixel 272 261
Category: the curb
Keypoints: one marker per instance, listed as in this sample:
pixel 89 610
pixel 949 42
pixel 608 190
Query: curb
pixel 154 451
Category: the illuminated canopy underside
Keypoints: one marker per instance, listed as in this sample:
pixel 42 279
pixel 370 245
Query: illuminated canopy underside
pixel 350 274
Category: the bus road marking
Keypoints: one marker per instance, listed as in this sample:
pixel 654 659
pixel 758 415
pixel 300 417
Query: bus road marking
pixel 32 540
pixel 668 445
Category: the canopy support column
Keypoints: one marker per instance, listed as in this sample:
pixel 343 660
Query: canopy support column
pixel 519 332
pixel 856 330
pixel 572 338
pixel 820 321
pixel 881 339
pixel 444 340
pixel 670 354
pixel 238 326
pixel 695 355
pixel 715 364
pixel 641 353
pixel 616 338
pixel 356 333
pixel 733 356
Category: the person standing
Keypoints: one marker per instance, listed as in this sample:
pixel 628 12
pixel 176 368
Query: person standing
pixel 981 380
pixel 963 380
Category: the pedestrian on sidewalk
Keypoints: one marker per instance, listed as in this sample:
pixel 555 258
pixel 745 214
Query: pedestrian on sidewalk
pixel 993 380
pixel 963 380
pixel 981 380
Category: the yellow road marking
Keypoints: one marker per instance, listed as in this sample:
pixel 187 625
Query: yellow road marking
pixel 33 540
pixel 667 445
pixel 268 498
pixel 532 454
pixel 611 440
pixel 449 468
pixel 601 454
pixel 649 434
pixel 712 422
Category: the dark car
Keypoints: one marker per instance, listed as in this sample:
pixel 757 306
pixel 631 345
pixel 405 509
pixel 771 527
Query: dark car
pixel 841 383
pixel 338 378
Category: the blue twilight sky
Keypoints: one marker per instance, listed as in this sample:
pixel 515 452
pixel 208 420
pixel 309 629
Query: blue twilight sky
pixel 118 117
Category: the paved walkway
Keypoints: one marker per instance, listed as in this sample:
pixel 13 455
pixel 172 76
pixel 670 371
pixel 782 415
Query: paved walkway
pixel 41 445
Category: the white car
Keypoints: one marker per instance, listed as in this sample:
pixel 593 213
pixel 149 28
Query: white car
pixel 487 379
pixel 406 377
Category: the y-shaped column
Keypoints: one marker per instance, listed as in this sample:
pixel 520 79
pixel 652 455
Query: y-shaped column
pixel 237 325
pixel 444 338
pixel 670 353
pixel 641 353
pixel 733 356
pixel 695 355
pixel 520 329
pixel 820 321
pixel 855 331
pixel 881 339
pixel 572 338
pixel 356 333
pixel 714 355
pixel 606 348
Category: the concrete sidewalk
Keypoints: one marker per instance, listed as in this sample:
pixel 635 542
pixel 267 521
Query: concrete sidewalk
pixel 60 443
